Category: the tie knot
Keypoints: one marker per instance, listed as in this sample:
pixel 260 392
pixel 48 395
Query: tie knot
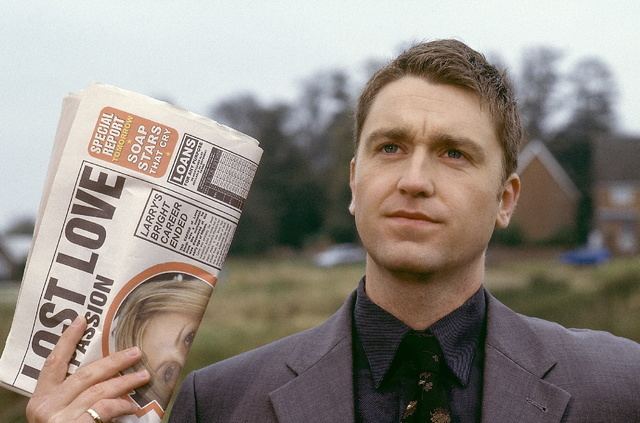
pixel 423 350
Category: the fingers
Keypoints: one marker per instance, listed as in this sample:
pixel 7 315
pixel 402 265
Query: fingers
pixel 97 385
pixel 88 378
pixel 109 409
pixel 109 389
pixel 104 397
pixel 56 365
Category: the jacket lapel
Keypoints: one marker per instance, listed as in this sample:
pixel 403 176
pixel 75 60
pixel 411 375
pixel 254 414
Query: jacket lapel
pixel 514 389
pixel 516 363
pixel 322 361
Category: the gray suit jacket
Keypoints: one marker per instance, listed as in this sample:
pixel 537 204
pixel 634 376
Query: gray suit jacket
pixel 534 371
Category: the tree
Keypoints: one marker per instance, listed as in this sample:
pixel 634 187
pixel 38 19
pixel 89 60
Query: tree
pixel 537 87
pixel 593 94
pixel 591 116
pixel 22 226
pixel 325 126
pixel 283 207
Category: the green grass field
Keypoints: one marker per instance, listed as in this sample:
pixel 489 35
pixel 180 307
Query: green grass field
pixel 257 301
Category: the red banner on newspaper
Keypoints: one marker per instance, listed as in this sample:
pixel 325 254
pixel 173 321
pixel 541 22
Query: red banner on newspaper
pixel 133 142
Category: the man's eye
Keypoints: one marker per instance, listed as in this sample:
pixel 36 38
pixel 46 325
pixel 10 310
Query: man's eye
pixel 454 154
pixel 390 148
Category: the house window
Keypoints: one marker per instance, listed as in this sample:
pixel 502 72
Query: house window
pixel 621 195
pixel 626 240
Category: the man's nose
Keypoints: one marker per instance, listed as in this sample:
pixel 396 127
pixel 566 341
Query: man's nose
pixel 417 176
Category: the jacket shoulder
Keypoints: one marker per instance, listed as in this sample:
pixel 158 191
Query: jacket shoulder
pixel 237 387
pixel 234 388
pixel 577 349
pixel 266 364
pixel 588 345
pixel 597 370
pixel 601 371
pixel 240 385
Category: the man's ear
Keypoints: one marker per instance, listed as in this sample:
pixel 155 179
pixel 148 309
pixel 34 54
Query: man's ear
pixel 352 176
pixel 508 200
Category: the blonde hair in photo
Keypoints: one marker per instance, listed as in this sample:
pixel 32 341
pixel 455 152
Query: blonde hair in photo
pixel 164 293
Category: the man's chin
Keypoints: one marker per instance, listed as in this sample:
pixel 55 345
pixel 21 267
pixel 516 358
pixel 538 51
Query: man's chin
pixel 406 266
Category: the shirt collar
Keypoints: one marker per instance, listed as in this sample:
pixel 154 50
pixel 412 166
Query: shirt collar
pixel 380 333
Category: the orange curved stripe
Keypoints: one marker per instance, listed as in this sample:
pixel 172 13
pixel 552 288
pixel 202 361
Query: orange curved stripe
pixel 169 267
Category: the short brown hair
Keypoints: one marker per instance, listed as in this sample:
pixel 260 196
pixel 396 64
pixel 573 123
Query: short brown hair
pixel 454 63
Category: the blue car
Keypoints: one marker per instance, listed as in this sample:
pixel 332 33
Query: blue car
pixel 586 256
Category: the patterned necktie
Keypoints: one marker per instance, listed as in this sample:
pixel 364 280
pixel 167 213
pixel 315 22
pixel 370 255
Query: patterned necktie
pixel 429 403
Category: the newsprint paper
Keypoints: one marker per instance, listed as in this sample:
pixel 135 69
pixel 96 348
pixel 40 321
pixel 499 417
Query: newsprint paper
pixel 137 215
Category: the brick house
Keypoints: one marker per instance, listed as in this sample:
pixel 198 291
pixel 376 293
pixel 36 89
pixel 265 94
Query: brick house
pixel 13 255
pixel 548 200
pixel 617 194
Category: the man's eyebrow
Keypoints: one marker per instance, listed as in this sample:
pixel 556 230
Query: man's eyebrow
pixel 392 134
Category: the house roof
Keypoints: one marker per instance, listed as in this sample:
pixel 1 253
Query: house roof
pixel 14 248
pixel 537 149
pixel 617 158
pixel 13 252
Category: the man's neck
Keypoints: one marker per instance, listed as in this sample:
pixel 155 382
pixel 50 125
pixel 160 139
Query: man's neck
pixel 419 300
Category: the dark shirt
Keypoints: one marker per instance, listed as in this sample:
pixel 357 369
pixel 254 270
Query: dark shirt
pixel 379 386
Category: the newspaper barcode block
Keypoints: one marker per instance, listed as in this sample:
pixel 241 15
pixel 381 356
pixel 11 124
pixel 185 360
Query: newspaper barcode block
pixel 212 171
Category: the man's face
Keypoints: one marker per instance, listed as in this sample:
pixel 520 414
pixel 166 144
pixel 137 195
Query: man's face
pixel 426 181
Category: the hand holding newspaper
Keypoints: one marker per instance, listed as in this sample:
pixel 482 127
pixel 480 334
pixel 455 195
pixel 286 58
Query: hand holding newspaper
pixel 137 215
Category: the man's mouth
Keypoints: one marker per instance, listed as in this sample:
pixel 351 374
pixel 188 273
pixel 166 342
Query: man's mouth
pixel 412 215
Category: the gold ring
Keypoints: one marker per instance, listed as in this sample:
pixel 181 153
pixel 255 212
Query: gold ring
pixel 94 415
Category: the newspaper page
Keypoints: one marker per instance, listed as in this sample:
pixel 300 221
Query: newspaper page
pixel 137 215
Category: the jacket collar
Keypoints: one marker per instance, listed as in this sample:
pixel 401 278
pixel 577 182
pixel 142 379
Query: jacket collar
pixel 322 362
pixel 516 364
pixel 514 385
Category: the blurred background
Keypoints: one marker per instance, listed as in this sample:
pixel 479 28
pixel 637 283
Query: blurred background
pixel 288 73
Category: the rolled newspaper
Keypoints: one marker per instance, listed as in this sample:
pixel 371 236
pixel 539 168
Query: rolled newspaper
pixel 137 215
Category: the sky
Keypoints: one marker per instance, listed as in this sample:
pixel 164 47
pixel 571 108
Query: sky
pixel 199 52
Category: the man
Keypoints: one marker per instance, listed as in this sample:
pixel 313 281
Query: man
pixel 437 135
